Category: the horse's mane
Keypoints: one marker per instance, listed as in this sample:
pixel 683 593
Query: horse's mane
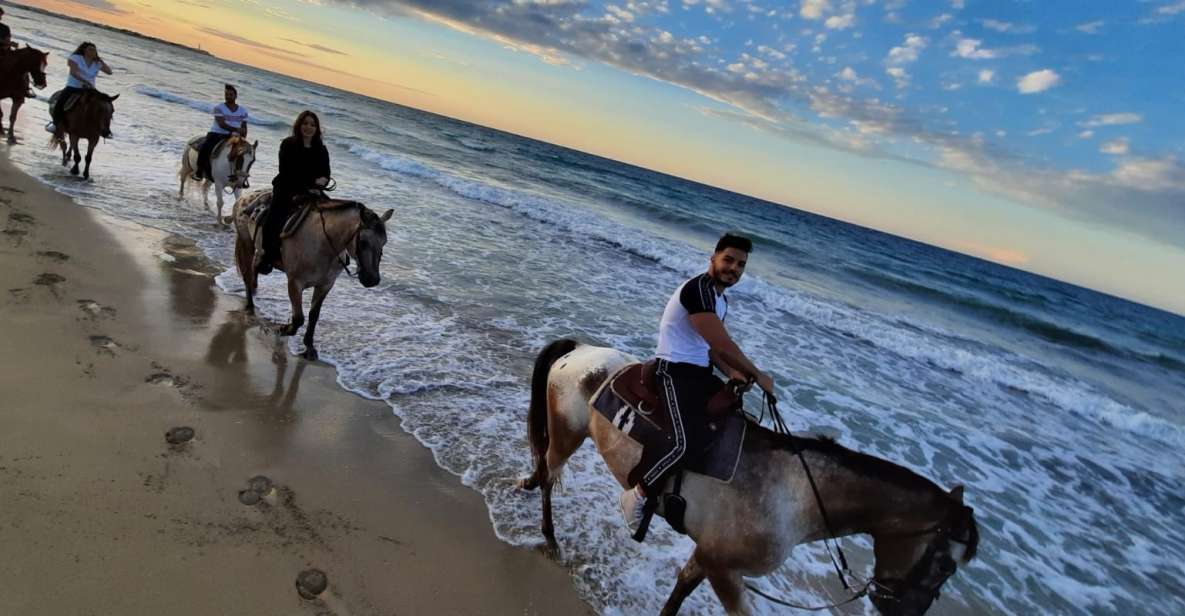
pixel 963 517
pixel 857 462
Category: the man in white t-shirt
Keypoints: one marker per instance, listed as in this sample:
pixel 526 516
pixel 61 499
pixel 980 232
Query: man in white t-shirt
pixel 230 118
pixel 692 339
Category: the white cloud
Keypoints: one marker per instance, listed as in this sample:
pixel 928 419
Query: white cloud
pixel 840 22
pixel 1149 174
pixel 1045 130
pixel 848 74
pixel 1086 134
pixel 1007 27
pixel 957 4
pixel 1090 27
pixel 969 48
pixel 986 76
pixel 900 77
pixel 1113 119
pixel 908 51
pixel 937 22
pixel 813 9
pixel 1115 146
pixel 1171 9
pixel 1037 81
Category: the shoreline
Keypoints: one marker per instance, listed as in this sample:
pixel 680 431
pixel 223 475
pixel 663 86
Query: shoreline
pixel 116 333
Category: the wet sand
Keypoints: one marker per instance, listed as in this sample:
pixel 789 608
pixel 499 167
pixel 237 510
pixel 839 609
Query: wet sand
pixel 112 334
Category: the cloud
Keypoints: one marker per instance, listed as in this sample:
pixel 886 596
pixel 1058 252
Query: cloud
pixel 1037 81
pixel 813 9
pixel 103 5
pixel 244 41
pixel 1007 27
pixel 899 75
pixel 986 75
pixel 1115 146
pixel 957 4
pixel 1086 134
pixel 970 49
pixel 840 22
pixel 1113 119
pixel 1090 27
pixel 939 21
pixel 999 254
pixel 908 51
pixel 328 50
pixel 1172 8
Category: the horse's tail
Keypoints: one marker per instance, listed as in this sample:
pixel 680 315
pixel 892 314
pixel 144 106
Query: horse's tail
pixel 537 415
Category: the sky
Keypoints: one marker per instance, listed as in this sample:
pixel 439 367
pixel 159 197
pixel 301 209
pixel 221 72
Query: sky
pixel 1047 135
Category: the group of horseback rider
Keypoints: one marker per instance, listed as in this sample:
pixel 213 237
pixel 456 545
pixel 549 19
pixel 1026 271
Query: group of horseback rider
pixel 692 337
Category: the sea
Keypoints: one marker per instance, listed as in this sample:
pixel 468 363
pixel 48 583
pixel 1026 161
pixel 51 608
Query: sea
pixel 1061 409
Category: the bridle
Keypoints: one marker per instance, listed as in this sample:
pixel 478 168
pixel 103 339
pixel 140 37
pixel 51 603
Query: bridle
pixel 240 178
pixel 889 589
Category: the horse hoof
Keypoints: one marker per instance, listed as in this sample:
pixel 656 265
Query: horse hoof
pixel 74 171
pixel 527 483
pixel 551 549
pixel 289 330
pixel 310 354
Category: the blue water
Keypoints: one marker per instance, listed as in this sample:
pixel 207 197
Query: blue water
pixel 1061 409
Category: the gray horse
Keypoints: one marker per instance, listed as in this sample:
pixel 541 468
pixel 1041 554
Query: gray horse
pixel 749 526
pixel 314 252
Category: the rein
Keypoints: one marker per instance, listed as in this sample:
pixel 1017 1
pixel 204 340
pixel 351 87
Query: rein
pixel 345 262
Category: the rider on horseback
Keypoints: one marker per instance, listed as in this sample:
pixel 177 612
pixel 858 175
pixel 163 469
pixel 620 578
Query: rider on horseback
pixel 85 65
pixel 691 339
pixel 229 119
pixel 7 45
pixel 304 169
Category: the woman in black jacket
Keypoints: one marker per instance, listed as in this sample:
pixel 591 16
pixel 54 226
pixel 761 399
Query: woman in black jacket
pixel 304 168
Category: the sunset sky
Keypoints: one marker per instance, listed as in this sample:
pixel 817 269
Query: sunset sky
pixel 1046 135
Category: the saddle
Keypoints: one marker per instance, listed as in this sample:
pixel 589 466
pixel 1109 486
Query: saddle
pixel 260 203
pixel 636 385
pixel 75 97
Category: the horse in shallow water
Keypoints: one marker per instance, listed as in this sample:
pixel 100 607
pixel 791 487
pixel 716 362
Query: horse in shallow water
pixel 314 252
pixel 748 526
pixel 230 165
pixel 88 118
pixel 14 65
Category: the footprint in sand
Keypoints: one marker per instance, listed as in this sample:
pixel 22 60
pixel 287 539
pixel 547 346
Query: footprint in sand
pixel 92 309
pixel 54 255
pixel 258 487
pixel 311 583
pixel 48 279
pixel 180 435
pixel 169 380
pixel 12 190
pixel 21 218
pixel 104 344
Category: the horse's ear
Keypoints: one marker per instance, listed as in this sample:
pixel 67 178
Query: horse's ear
pixel 387 215
pixel 114 97
pixel 956 494
pixel 255 145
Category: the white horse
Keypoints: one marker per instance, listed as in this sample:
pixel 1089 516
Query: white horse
pixel 230 165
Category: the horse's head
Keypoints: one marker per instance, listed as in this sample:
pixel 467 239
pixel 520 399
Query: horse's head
pixel 242 156
pixel 35 63
pixel 371 238
pixel 911 568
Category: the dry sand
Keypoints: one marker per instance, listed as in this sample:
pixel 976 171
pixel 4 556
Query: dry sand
pixel 105 346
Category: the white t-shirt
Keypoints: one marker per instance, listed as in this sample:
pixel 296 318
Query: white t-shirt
pixel 677 339
pixel 233 119
pixel 90 71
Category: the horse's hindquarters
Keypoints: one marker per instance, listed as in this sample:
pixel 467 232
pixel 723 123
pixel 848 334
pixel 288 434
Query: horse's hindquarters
pixel 620 452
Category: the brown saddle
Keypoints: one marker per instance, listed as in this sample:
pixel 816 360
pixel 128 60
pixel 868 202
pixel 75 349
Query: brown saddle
pixel 636 385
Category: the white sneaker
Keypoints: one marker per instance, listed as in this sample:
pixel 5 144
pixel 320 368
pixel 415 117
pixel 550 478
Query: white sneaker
pixel 633 508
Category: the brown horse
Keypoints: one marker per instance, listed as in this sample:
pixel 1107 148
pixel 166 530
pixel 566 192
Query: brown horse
pixel 14 65
pixel 88 118
pixel 748 526
pixel 314 253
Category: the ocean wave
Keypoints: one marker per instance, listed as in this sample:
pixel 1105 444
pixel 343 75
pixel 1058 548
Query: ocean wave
pixel 257 119
pixel 474 144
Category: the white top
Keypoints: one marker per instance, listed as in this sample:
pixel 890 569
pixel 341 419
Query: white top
pixel 677 339
pixel 233 119
pixel 89 71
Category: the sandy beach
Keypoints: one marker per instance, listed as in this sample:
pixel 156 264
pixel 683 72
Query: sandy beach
pixel 112 334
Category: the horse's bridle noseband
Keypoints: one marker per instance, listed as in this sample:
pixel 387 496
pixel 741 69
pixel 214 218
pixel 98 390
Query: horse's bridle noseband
pixel 896 589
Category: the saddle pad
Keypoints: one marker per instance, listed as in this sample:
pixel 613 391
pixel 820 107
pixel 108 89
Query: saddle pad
pixel 718 460
pixel 309 205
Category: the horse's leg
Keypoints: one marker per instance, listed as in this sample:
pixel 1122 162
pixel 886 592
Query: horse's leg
pixel 90 151
pixel 218 187
pixel 244 258
pixel 77 156
pixel 563 442
pixel 294 295
pixel 206 193
pixel 319 294
pixel 16 106
pixel 688 580
pixel 730 589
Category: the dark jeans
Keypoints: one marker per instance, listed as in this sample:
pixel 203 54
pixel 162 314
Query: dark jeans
pixel 683 390
pixel 281 208
pixel 211 142
pixel 58 108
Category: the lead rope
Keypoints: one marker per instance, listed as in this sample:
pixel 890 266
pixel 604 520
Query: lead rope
pixel 345 262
